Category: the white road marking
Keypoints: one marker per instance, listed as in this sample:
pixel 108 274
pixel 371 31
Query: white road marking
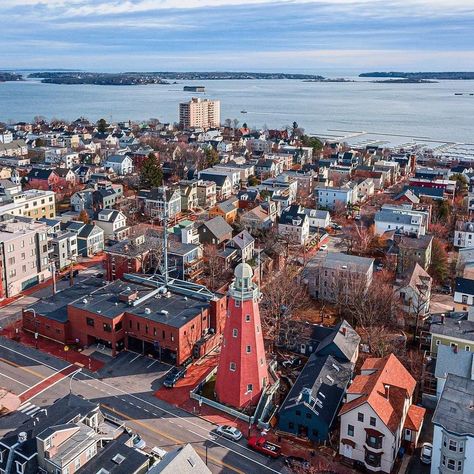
pixel 135 358
pixel 34 411
pixel 30 411
pixel 187 421
pixel 154 362
pixel 14 380
pixel 24 406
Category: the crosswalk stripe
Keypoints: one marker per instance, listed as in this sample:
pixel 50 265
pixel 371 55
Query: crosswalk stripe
pixel 30 412
pixel 36 409
pixel 24 406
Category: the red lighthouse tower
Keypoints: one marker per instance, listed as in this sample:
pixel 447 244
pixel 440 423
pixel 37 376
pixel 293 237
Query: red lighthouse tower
pixel 242 372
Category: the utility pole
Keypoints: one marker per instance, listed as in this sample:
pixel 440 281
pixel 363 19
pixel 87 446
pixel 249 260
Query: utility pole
pixel 53 272
pixel 165 236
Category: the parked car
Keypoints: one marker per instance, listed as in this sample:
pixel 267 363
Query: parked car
pixel 426 453
pixel 99 275
pixel 173 376
pixel 158 452
pixel 293 362
pixel 297 462
pixel 323 247
pixel 229 432
pixel 138 443
pixel 260 444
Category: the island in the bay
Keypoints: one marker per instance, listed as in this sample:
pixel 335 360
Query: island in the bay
pixel 140 78
pixel 419 76
pixel 10 76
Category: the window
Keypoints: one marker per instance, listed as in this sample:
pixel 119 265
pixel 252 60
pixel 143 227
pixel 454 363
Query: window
pixel 249 388
pixel 118 326
pixel 232 367
pixel 350 430
pixel 467 348
pixel 90 322
pixel 438 342
pixel 107 327
pixel 360 417
pixel 77 464
pixel 464 299
pixel 247 318
pixel 20 467
pixel 235 332
pixel 373 421
pixel 237 303
pixel 248 349
pixel 373 459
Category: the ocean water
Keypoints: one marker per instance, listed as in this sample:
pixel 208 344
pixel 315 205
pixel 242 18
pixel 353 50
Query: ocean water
pixel 421 110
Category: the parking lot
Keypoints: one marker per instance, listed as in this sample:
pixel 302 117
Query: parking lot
pixel 135 372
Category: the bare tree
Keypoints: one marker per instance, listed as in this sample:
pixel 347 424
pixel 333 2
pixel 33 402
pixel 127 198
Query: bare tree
pixel 283 295
pixel 214 268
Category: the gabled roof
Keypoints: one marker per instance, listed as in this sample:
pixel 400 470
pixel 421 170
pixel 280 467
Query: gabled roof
pixel 414 419
pixel 117 158
pixel 370 387
pixel 320 387
pixel 218 227
pixel 243 239
pixel 219 179
pixel 40 173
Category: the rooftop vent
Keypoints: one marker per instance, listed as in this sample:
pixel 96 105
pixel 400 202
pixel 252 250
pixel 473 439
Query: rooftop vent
pixel 164 311
pixel 147 311
pixel 85 300
pixel 22 437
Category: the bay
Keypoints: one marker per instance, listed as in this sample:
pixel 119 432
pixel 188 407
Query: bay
pixel 422 110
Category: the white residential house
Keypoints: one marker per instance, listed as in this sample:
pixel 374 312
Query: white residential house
pixel 318 219
pixel 294 224
pixel 120 164
pixel 453 436
pixel 331 197
pixel 402 219
pixel 378 416
pixel 416 293
pixel 113 223
pixel 365 188
pixel 464 234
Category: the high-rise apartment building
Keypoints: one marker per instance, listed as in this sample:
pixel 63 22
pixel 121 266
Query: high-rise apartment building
pixel 200 113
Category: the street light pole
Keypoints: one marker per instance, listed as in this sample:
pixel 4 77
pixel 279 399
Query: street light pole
pixel 70 380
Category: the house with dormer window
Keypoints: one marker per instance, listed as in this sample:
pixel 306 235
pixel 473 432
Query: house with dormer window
pixel 378 416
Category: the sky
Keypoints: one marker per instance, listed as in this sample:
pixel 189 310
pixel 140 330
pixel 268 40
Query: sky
pixel 338 36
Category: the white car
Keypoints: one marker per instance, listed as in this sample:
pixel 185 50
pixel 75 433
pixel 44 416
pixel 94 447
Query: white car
pixel 229 432
pixel 138 443
pixel 323 247
pixel 426 452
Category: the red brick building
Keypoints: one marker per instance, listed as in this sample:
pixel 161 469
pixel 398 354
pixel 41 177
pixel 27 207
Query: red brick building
pixel 141 315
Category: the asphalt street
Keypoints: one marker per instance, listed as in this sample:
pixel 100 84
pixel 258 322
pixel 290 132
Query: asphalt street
pixel 125 391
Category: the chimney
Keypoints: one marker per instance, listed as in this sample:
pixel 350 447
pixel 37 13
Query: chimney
pixel 387 391
pixel 442 319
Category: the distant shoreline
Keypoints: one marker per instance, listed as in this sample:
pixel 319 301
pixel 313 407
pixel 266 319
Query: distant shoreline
pixel 419 76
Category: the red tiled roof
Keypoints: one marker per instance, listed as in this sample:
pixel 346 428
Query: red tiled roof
pixel 415 417
pixel 370 387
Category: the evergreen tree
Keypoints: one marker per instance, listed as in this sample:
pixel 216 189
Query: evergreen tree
pixel 212 157
pixel 101 125
pixel 151 174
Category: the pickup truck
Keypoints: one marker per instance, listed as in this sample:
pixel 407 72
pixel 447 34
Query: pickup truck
pixel 260 444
